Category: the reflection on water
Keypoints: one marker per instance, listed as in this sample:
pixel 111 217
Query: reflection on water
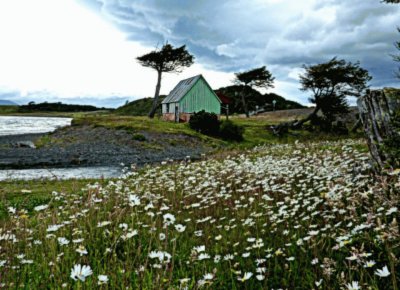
pixel 14 125
pixel 61 173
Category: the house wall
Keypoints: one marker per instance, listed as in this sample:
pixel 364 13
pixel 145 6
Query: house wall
pixel 169 117
pixel 171 108
pixel 200 97
pixel 183 117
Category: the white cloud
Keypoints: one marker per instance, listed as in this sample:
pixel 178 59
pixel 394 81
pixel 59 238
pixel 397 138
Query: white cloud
pixel 64 49
pixel 295 73
pixel 59 48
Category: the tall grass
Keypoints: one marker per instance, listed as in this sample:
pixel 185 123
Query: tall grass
pixel 299 216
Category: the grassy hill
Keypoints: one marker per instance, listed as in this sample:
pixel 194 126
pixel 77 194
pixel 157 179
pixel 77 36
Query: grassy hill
pixel 140 107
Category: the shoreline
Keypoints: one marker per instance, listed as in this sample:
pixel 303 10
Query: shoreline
pixel 12 138
pixel 88 146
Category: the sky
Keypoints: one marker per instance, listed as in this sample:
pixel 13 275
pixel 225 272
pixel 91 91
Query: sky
pixel 84 51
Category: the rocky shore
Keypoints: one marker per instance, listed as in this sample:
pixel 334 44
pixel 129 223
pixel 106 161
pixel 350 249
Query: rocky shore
pixel 95 146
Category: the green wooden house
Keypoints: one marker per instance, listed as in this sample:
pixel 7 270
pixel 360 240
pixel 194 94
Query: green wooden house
pixel 189 96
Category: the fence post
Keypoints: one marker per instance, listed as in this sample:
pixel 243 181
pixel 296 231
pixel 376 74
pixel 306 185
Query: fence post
pixel 380 115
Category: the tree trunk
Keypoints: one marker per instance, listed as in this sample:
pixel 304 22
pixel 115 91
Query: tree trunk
pixel 246 110
pixel 379 110
pixel 356 125
pixel 283 128
pixel 156 96
pixel 300 123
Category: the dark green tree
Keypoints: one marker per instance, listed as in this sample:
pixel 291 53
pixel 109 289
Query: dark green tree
pixel 331 83
pixel 255 78
pixel 396 44
pixel 167 59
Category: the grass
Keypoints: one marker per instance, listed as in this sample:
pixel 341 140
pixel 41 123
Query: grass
pixel 30 193
pixel 290 216
pixel 5 110
pixel 134 124
pixel 256 129
pixel 294 213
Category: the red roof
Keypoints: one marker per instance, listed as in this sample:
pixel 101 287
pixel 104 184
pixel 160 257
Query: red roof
pixel 224 99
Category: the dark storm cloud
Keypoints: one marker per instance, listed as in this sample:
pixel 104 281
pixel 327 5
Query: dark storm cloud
pixel 237 35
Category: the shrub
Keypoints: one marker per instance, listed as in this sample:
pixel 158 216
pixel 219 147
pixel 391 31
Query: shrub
pixel 138 137
pixel 328 125
pixel 339 127
pixel 205 123
pixel 230 131
pixel 321 123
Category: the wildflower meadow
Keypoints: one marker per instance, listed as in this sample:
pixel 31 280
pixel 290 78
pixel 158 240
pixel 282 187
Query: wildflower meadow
pixel 292 216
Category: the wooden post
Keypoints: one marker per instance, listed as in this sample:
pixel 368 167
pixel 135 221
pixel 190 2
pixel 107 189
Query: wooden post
pixel 380 116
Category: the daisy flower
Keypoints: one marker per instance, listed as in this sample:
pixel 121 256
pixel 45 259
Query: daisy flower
pixel 80 272
pixel 384 272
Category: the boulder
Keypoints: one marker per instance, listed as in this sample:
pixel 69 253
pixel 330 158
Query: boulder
pixel 25 144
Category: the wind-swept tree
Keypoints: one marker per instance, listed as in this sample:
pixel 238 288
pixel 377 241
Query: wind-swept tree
pixel 255 78
pixel 167 59
pixel 396 44
pixel 330 84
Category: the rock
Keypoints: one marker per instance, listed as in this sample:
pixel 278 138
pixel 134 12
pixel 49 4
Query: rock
pixel 25 144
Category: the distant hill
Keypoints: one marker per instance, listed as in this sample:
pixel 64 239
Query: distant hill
pixel 140 107
pixel 7 103
pixel 255 98
pixel 57 107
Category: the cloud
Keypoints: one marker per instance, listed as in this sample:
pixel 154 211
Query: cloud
pixel 61 49
pixel 238 35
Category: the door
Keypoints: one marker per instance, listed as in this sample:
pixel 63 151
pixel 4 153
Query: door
pixel 176 114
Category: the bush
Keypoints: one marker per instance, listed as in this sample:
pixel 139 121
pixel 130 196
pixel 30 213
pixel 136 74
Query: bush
pixel 339 127
pixel 208 124
pixel 322 124
pixel 230 131
pixel 139 137
pixel 205 123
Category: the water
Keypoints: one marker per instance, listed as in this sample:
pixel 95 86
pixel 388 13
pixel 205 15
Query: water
pixel 61 173
pixel 15 125
pixel 12 125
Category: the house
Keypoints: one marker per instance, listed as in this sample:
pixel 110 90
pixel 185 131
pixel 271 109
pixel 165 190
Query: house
pixel 225 102
pixel 190 96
